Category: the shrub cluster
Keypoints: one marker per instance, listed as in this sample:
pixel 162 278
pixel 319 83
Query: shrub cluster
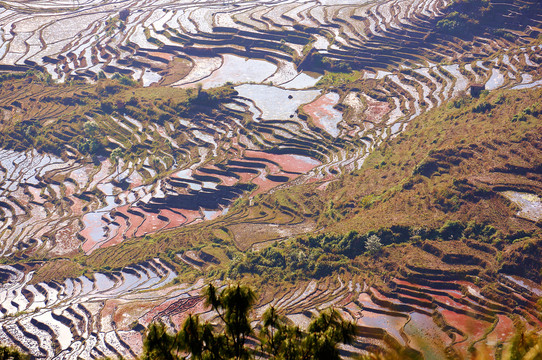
pixel 467 16
pixel 321 255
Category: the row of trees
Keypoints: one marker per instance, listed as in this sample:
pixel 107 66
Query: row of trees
pixel 317 256
pixel 234 337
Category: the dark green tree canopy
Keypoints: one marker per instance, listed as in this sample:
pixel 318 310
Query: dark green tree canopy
pixel 233 337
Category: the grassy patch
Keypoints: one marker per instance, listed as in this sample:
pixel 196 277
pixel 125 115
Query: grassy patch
pixel 55 117
pixel 58 269
pixel 338 78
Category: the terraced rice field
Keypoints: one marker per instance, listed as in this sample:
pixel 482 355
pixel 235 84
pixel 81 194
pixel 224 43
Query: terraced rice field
pixel 424 309
pixel 249 145
pixel 252 147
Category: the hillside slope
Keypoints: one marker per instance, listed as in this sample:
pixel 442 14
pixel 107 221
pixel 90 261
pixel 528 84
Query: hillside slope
pixel 328 153
pixel 460 273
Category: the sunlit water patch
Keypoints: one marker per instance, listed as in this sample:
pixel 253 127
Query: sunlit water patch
pixel 237 69
pixel 324 114
pixel 302 81
pixel 530 204
pixel 495 81
pixel 150 77
pixel 276 103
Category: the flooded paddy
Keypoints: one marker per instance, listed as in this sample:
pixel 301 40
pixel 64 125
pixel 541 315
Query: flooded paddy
pixel 236 69
pixel 302 81
pixel 90 205
pixel 530 204
pixel 266 97
pixel 323 113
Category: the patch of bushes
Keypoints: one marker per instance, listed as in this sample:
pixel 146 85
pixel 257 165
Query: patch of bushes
pixel 482 107
pixel 505 34
pixel 533 110
pixel 458 102
pixel 320 62
pixel 203 99
pixel 456 23
pixel 338 78
pixel 11 352
pixel 466 17
pixel 519 117
pixel 125 80
pixel 317 256
pixel 11 76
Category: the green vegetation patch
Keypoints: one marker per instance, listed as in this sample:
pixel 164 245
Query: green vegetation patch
pixel 338 78
pixel 84 118
pixel 469 17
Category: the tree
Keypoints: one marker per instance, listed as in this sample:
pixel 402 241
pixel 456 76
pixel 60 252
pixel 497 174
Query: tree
pixel 115 155
pixel 158 344
pixel 228 340
pixel 373 244
pixel 91 128
pixel 233 305
pixel 289 342
pixel 123 14
pixel 12 353
pixel 524 345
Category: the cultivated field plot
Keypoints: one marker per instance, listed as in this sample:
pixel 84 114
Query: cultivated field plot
pixel 191 169
pixel 280 124
pixel 426 308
